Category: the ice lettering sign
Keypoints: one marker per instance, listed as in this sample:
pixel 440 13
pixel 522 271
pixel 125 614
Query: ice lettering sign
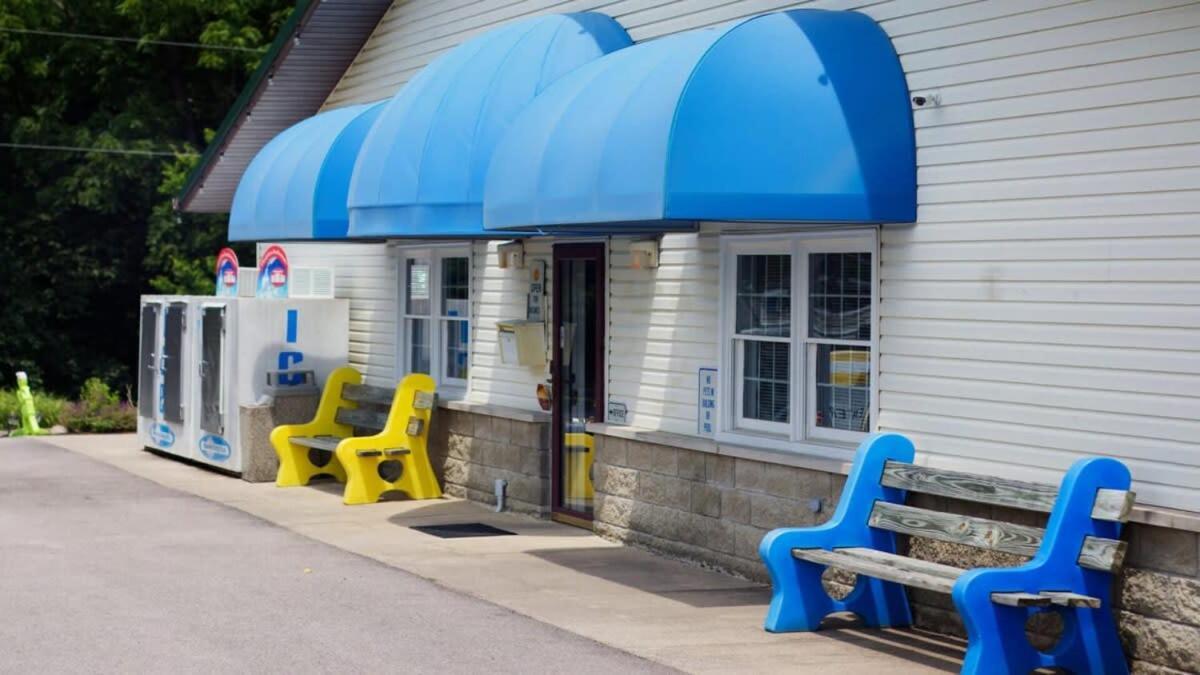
pixel 227 274
pixel 273 273
pixel 706 416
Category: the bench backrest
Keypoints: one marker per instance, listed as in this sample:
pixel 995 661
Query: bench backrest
pixel 375 418
pixel 1096 553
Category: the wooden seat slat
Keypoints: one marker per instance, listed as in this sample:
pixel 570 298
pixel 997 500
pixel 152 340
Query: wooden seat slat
pixel 365 393
pixel 362 419
pixel 1021 599
pixel 1067 599
pixel 886 566
pixel 1110 504
pixel 318 442
pixel 390 452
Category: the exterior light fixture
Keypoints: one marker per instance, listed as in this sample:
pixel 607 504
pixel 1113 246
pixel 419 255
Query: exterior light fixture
pixel 643 254
pixel 512 254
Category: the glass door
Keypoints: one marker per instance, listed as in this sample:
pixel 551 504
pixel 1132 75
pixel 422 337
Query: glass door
pixel 172 361
pixel 149 361
pixel 212 349
pixel 577 373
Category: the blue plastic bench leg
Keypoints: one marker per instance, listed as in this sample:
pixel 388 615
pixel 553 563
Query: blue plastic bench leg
pixel 996 642
pixel 1100 642
pixel 798 601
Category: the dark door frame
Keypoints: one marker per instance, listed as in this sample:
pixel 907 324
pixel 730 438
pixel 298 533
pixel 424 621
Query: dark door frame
pixel 562 252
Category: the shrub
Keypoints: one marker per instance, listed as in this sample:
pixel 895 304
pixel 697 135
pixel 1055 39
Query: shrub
pixel 99 410
pixel 50 409
pixel 10 412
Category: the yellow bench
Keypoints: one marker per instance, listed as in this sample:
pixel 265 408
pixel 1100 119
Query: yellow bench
pixel 394 458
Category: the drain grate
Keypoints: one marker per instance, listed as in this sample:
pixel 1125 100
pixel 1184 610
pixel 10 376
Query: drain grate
pixel 461 530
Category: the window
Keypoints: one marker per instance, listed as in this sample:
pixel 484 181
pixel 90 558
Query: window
pixel 435 324
pixel 798 337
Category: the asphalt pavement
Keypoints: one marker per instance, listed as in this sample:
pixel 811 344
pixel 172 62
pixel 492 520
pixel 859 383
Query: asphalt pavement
pixel 103 571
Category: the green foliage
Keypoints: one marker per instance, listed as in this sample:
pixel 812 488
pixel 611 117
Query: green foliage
pixel 50 409
pixel 87 232
pixel 99 410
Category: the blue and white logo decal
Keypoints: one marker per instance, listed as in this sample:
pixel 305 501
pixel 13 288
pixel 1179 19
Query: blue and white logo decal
pixel 215 448
pixel 162 435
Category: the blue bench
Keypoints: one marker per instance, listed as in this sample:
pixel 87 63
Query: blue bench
pixel 1071 570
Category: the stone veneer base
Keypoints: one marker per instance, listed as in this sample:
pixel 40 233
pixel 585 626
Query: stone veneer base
pixel 713 509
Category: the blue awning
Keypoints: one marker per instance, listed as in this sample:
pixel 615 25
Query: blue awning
pixel 792 116
pixel 295 188
pixel 422 169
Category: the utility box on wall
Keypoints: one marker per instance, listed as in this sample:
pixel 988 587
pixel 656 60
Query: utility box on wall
pixel 522 342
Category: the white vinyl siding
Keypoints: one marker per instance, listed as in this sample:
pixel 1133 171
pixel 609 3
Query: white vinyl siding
pixel 1046 305
pixel 500 294
pixel 663 329
pixel 364 274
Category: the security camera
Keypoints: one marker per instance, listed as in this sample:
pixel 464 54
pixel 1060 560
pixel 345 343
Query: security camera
pixel 922 100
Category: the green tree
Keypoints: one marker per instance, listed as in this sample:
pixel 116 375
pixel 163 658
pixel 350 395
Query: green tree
pixel 86 232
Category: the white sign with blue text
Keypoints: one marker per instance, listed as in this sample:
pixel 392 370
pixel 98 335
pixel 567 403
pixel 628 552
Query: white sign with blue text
pixel 706 416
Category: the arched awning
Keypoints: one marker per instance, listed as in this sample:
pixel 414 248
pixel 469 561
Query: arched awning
pixel 793 116
pixel 421 171
pixel 296 186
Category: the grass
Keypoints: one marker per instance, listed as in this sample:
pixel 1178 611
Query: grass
pixel 98 410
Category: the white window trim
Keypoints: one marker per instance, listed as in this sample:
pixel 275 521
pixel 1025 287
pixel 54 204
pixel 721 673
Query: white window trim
pixel 798 435
pixel 450 388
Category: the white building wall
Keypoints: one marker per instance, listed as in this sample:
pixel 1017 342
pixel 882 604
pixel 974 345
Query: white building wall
pixel 364 274
pixel 501 294
pixel 1047 303
pixel 663 329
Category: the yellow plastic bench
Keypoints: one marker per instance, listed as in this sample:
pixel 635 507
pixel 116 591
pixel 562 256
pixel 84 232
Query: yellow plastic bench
pixel 394 458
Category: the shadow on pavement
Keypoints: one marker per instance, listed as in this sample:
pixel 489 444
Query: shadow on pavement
pixel 932 650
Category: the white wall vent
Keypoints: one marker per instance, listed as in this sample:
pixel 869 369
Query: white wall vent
pixel 311 282
pixel 247 281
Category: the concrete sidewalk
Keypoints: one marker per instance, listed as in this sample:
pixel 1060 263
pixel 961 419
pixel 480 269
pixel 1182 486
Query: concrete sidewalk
pixel 675 614
pixel 105 572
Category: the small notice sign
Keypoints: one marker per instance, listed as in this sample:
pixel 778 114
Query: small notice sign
pixel 706 415
pixel 617 412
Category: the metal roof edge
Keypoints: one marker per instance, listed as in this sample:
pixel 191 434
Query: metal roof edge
pixel 245 100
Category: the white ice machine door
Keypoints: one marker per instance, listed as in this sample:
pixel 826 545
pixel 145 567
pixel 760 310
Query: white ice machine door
pixel 212 369
pixel 174 324
pixel 148 360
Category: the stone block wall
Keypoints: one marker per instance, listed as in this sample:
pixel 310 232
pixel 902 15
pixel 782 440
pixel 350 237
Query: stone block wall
pixel 255 422
pixel 471 450
pixel 710 509
pixel 714 510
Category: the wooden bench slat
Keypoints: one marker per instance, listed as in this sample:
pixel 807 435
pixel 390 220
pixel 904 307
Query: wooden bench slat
pixel 365 393
pixel 424 400
pixel 1020 599
pixel 929 575
pixel 1109 505
pixel 390 452
pixel 958 529
pixel 886 566
pixel 926 566
pixel 364 419
pixel 319 442
pixel 1067 599
pixel 1097 553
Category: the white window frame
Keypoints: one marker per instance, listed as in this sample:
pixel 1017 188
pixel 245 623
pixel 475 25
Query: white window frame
pixel 449 387
pixel 800 433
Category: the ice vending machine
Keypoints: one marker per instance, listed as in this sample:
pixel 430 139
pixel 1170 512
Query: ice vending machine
pixel 164 421
pixel 236 351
